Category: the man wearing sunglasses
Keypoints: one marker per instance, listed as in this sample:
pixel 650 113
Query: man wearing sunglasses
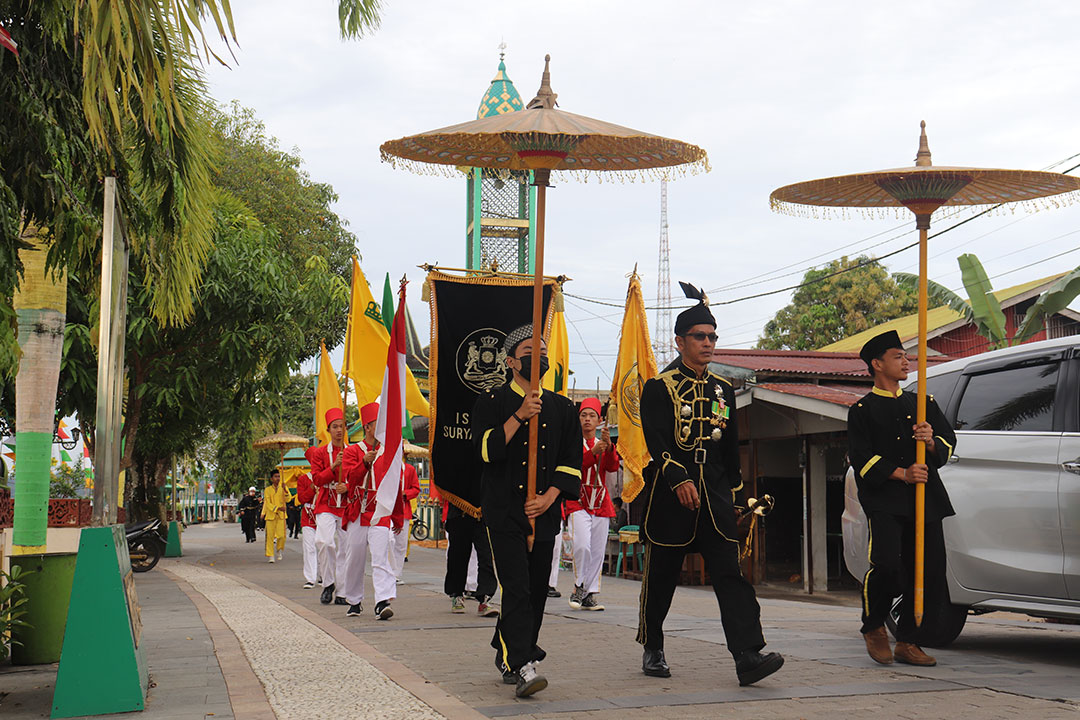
pixel 692 486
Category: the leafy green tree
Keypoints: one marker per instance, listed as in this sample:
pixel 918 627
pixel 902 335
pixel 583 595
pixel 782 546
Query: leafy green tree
pixel 983 308
pixel 841 299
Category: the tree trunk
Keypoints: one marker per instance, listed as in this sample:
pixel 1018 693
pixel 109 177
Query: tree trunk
pixel 40 304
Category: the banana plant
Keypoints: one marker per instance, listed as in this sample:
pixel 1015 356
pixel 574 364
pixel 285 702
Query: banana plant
pixel 983 307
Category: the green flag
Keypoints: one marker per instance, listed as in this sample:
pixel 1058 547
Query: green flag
pixel 388 320
pixel 387 304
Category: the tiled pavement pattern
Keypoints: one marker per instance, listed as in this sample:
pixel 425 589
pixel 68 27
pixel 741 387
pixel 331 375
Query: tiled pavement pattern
pixel 1002 666
pixel 187 682
pixel 305 672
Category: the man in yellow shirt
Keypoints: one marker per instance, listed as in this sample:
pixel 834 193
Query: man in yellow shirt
pixel 273 511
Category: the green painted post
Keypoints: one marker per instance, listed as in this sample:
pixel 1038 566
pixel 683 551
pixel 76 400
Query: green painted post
pixel 174 548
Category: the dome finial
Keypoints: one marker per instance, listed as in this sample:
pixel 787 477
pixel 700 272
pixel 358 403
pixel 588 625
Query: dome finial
pixel 545 98
pixel 922 158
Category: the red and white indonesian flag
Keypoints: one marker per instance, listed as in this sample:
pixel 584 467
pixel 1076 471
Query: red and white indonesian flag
pixel 388 463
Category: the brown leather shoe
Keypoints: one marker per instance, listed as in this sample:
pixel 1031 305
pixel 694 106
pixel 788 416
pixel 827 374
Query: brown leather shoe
pixel 877 644
pixel 912 654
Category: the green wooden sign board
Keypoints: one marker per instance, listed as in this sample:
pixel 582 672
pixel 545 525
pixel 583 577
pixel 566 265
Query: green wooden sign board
pixel 174 548
pixel 103 665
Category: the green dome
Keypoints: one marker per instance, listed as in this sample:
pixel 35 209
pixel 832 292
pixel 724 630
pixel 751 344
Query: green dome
pixel 502 97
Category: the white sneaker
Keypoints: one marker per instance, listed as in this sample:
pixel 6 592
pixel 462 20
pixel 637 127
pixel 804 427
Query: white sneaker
pixel 280 554
pixel 271 558
pixel 529 681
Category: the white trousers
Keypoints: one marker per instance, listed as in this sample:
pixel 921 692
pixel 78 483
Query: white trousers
pixel 311 557
pixel 398 547
pixel 589 535
pixel 360 542
pixel 553 581
pixel 329 547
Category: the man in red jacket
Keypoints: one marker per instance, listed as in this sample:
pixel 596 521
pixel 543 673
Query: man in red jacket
pixel 589 517
pixel 328 476
pixel 410 488
pixel 363 536
pixel 305 495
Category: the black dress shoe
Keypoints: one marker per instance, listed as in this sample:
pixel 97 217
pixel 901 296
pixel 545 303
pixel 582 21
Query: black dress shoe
pixel 654 664
pixel 752 666
pixel 327 596
pixel 553 592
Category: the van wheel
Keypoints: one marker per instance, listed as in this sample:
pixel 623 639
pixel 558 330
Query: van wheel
pixel 942 622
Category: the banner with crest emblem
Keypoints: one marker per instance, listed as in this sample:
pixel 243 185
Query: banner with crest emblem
pixel 470 318
pixel 636 364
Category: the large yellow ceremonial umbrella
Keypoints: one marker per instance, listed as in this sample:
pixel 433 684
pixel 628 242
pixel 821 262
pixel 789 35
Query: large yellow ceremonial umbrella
pixel 922 189
pixel 542 138
pixel 282 442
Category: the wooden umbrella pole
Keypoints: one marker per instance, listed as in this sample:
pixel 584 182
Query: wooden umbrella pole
pixel 923 223
pixel 541 181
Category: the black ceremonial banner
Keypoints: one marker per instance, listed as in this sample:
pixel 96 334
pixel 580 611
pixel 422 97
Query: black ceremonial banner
pixel 470 318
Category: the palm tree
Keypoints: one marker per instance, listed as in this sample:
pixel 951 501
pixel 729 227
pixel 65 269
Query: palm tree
pixel 983 308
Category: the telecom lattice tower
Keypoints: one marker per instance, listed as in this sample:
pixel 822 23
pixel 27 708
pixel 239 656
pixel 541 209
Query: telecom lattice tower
pixel 662 333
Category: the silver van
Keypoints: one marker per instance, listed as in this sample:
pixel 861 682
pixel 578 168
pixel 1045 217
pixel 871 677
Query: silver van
pixel 1014 543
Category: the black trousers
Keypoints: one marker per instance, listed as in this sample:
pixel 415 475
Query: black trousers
pixel 292 520
pixel 524 579
pixel 463 534
pixel 739 609
pixel 247 522
pixel 892 570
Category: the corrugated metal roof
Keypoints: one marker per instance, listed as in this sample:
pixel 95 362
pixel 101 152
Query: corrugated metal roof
pixel 835 393
pixel 908 327
pixel 794 362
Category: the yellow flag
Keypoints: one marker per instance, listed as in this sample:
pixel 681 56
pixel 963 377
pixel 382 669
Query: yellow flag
pixel 327 396
pixel 636 365
pixel 557 379
pixel 366 348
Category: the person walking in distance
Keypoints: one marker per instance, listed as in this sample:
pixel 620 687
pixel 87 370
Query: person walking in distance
pixel 273 512
pixel 248 507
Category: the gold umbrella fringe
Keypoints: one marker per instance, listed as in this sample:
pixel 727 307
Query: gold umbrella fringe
pixel 417 167
pixel 829 212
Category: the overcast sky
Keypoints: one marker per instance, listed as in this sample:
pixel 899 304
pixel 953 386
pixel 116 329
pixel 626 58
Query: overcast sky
pixel 775 92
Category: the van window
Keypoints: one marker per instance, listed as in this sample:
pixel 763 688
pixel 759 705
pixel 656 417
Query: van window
pixel 939 387
pixel 1017 399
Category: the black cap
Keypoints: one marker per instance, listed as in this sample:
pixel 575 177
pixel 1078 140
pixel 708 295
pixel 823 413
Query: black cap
pixel 517 336
pixel 697 315
pixel 876 346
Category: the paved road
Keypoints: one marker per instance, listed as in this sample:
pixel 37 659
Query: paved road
pixel 1002 665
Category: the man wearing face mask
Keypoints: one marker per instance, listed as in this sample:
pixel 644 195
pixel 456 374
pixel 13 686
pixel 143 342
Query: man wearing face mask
pixel 501 420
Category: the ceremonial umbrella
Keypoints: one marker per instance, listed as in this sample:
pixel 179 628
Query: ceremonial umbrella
pixel 542 138
pixel 922 189
pixel 281 442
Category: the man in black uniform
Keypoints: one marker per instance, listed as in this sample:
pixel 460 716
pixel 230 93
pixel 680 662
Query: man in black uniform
pixel 501 425
pixel 882 433
pixel 248 508
pixel 692 485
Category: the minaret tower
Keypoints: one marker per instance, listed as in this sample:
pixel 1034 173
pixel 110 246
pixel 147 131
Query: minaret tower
pixel 499 223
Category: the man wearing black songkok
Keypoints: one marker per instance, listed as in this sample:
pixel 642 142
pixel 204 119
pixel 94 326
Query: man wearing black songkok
pixel 500 419
pixel 882 433
pixel 692 486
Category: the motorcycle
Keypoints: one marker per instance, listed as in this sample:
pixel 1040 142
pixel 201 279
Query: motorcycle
pixel 146 543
